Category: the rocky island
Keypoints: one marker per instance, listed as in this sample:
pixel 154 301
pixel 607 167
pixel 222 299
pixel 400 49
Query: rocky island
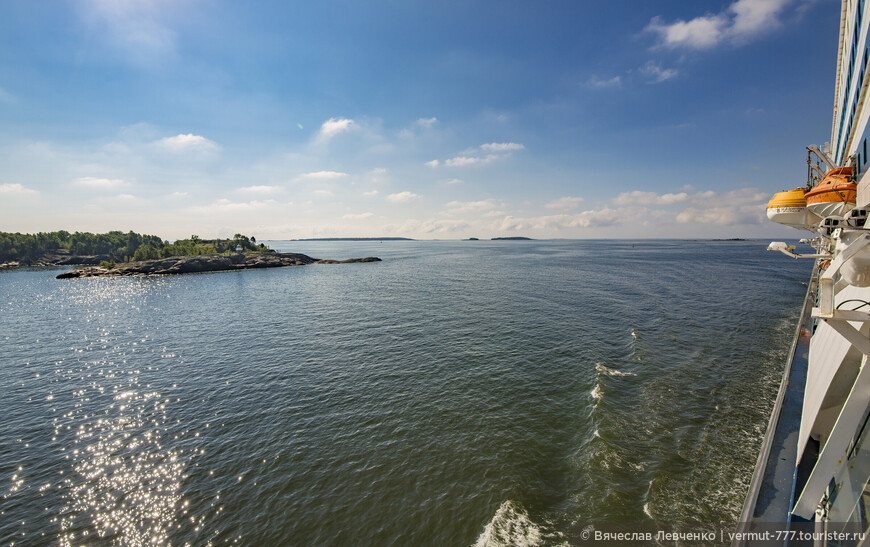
pixel 116 254
pixel 205 263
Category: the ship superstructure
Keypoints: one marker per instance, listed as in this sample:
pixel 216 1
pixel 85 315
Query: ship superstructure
pixel 814 469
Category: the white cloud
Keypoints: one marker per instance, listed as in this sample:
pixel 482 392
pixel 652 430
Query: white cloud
pixel 402 197
pixel 742 21
pixel 638 197
pixel 178 195
pixel 427 122
pixel 723 216
pixel 370 193
pixel 15 188
pixel 595 81
pixel 322 175
pixel 754 16
pixel 94 182
pixel 745 205
pixel 189 141
pixel 323 193
pixel 584 219
pixel 460 161
pixel 742 206
pixel 501 147
pixel 378 171
pixel 360 216
pixel 454 181
pixel 433 163
pixel 497 150
pixel 335 126
pixel 224 205
pixel 428 226
pixel 657 73
pixel 459 207
pixel 699 33
pixel 564 203
pixel 260 189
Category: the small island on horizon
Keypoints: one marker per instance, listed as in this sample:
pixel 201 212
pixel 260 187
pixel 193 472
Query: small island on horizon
pixel 512 238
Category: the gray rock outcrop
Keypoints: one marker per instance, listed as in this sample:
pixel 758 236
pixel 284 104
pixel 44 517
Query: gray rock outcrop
pixel 206 263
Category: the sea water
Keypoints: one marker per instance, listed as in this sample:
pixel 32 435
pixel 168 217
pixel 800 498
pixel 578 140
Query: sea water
pixel 457 393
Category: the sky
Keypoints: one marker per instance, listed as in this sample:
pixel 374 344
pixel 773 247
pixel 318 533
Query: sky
pixel 429 120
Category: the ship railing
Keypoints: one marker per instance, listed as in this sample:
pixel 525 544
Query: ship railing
pixel 747 515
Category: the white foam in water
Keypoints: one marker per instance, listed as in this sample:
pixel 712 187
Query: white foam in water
pixel 596 393
pixel 601 369
pixel 634 334
pixel 512 526
pixel 646 508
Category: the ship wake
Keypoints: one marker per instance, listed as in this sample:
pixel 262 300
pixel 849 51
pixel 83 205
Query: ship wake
pixel 512 526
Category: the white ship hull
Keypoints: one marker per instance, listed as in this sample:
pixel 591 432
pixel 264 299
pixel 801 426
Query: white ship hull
pixel 813 474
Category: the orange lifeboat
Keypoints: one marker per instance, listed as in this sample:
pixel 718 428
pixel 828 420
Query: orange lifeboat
pixel 834 195
pixel 790 208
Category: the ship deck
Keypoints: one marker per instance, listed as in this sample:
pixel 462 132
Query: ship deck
pixel 772 490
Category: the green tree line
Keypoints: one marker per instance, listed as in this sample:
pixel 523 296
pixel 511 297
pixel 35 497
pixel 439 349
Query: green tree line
pixel 118 246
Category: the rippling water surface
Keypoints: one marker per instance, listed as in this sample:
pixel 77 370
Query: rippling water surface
pixel 457 393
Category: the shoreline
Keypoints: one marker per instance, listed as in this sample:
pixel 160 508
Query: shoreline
pixel 205 263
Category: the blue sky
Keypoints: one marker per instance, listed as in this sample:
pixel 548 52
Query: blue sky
pixel 430 120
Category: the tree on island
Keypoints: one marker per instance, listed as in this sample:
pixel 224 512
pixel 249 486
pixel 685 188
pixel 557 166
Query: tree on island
pixel 116 246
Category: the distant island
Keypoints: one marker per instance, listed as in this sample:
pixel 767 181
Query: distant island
pixel 354 239
pixel 471 239
pixel 514 238
pixel 123 254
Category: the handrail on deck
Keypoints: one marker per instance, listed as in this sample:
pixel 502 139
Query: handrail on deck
pixel 761 465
